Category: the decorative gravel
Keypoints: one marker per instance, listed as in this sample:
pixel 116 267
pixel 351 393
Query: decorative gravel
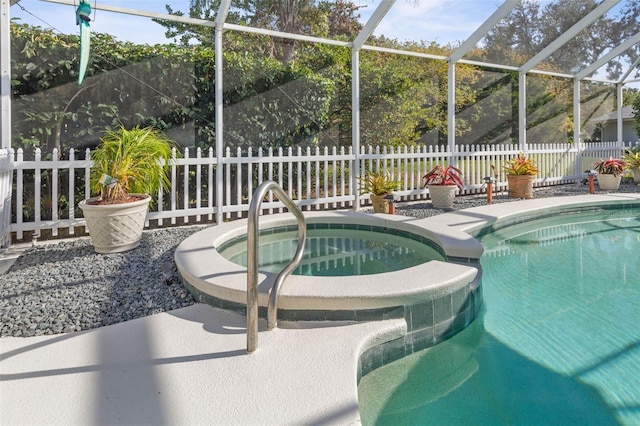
pixel 62 287
pixel 66 286
pixel 422 209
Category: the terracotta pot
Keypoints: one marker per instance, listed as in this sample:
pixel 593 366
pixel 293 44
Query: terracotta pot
pixel 520 186
pixel 115 227
pixel 380 204
pixel 442 196
pixel 608 182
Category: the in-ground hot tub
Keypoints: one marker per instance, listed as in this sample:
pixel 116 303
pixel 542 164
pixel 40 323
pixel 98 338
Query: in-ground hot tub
pixel 437 296
pixel 336 249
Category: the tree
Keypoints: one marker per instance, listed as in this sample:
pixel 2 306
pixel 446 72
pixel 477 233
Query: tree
pixel 636 112
pixel 308 17
pixel 529 28
pixel 267 103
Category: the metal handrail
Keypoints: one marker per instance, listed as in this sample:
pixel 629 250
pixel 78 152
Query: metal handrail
pixel 252 260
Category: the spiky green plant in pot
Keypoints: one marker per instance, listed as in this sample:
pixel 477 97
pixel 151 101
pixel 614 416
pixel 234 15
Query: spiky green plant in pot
pixel 130 165
pixel 130 161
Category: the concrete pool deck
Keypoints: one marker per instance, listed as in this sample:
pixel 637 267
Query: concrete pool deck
pixel 190 366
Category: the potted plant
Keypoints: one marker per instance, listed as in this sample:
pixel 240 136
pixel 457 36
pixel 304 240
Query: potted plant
pixel 632 159
pixel 378 185
pixel 609 173
pixel 129 166
pixel 442 183
pixel 520 174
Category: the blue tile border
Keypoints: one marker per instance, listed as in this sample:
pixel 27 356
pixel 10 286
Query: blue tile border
pixel 423 334
pixel 429 322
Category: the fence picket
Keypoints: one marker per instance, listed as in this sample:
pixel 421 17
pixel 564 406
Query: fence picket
pixel 71 199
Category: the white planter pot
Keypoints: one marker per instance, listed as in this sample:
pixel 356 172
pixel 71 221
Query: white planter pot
pixel 115 227
pixel 608 182
pixel 636 174
pixel 442 196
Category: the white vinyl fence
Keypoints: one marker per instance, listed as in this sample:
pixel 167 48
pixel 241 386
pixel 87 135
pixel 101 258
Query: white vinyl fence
pixel 46 192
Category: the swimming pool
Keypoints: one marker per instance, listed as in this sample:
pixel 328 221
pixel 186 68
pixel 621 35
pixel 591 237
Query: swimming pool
pixel 558 342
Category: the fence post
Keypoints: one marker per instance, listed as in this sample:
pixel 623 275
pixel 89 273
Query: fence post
pixel 6 184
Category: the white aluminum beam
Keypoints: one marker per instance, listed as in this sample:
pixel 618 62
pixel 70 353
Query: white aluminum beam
pixel 451 111
pixel 488 65
pixel 5 75
pixel 372 23
pixel 619 115
pixel 355 126
pixel 620 49
pixel 522 111
pixel 569 34
pixel 136 12
pixel 291 36
pixel 577 119
pixel 223 12
pixel 482 64
pixel 403 52
pixel 483 29
pixel 631 68
pixel 357 44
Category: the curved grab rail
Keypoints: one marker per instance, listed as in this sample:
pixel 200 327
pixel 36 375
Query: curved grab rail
pixel 252 260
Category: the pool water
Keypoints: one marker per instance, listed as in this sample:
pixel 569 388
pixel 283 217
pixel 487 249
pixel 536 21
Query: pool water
pixel 558 342
pixel 336 252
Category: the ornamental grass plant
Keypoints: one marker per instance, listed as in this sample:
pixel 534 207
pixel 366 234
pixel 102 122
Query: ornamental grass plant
pixel 131 161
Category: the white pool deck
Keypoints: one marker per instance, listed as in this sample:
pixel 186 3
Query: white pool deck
pixel 190 366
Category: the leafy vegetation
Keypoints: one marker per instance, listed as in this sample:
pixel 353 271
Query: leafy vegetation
pixel 612 166
pixel 129 161
pixel 636 112
pixel 378 183
pixel 168 87
pixel 443 175
pixel 632 157
pixel 533 25
pixel 521 166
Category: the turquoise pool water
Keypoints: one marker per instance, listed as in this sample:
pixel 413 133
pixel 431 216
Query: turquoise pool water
pixel 558 342
pixel 343 251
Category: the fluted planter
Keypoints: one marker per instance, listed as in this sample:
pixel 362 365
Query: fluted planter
pixel 115 228
pixel 380 203
pixel 609 182
pixel 520 186
pixel 442 196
